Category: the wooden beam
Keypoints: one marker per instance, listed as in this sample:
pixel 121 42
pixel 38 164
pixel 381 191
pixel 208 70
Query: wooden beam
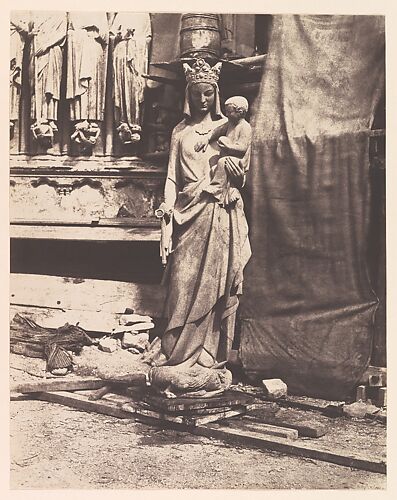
pixel 72 384
pixel 81 402
pixel 304 429
pixel 248 424
pixel 84 233
pixel 86 294
pixel 76 383
pixel 255 439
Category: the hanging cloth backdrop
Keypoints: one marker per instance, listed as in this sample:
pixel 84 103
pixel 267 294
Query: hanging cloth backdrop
pixel 308 307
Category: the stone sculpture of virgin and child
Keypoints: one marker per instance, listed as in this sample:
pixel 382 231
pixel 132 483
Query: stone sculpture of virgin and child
pixel 204 239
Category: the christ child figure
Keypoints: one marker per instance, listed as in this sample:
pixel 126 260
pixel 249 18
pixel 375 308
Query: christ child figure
pixel 234 139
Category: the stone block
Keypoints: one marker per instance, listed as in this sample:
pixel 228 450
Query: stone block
pixel 361 393
pixel 141 327
pixel 377 380
pixel 135 340
pixel 274 388
pixel 107 344
pixel 382 397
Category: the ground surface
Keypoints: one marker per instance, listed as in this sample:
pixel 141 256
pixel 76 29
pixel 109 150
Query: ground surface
pixel 53 446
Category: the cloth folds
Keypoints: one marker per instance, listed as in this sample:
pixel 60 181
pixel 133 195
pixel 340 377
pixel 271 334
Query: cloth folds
pixel 308 307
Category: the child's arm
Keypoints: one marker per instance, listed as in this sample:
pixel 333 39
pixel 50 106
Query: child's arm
pixel 218 132
pixel 215 134
pixel 240 146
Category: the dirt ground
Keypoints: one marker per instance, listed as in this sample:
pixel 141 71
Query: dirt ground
pixel 56 447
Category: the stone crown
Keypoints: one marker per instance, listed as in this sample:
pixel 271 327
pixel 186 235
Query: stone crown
pixel 202 72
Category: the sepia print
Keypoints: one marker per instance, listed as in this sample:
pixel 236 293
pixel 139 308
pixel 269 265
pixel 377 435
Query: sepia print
pixel 197 223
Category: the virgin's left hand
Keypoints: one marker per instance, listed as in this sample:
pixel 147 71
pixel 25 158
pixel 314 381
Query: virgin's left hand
pixel 224 142
pixel 235 171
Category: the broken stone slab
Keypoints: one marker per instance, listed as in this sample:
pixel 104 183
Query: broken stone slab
pixel 135 340
pixel 136 327
pixel 360 409
pixel 141 327
pixel 130 319
pixel 107 344
pixel 274 388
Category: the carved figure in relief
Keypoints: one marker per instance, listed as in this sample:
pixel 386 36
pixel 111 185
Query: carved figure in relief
pixel 206 246
pixel 48 31
pixel 18 33
pixel 86 71
pixel 86 134
pixel 132 35
pixel 234 140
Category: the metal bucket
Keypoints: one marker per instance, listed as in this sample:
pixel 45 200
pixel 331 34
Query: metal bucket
pixel 200 35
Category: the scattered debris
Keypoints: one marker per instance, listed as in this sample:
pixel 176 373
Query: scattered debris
pixel 119 366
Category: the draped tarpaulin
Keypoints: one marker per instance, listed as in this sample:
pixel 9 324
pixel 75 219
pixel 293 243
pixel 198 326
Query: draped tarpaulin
pixel 308 307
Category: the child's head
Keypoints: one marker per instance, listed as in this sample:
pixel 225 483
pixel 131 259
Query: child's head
pixel 236 107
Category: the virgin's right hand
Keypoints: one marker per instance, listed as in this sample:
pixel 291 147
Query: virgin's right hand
pixel 201 146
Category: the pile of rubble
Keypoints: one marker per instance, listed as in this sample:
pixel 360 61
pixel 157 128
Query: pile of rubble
pixel 132 333
pixel 70 348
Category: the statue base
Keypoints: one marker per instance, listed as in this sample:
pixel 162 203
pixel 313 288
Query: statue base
pixel 228 399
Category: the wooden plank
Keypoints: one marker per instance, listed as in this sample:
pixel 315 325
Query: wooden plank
pixel 304 428
pixel 84 233
pixel 249 61
pixel 76 383
pixel 81 402
pixel 255 439
pixel 72 384
pixel 266 429
pixel 86 294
